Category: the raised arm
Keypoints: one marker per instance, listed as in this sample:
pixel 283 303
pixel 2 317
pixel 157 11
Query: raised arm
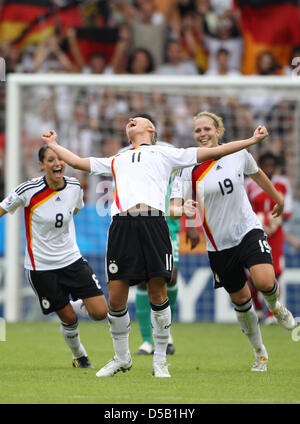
pixel 50 138
pixel 207 153
pixel 263 181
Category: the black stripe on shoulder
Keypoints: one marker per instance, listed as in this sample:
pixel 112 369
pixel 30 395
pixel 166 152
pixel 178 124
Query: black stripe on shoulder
pixel 74 183
pixel 29 182
pixel 22 190
pixel 72 179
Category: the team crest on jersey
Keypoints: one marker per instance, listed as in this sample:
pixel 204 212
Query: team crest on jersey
pixel 113 267
pixel 45 303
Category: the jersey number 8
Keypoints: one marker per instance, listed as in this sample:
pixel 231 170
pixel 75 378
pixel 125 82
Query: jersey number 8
pixel 59 220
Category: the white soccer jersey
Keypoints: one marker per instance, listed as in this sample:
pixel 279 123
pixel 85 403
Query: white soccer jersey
pixel 218 186
pixel 49 225
pixel 142 174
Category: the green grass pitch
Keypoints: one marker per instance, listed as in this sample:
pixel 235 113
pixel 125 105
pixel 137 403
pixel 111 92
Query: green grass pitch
pixel 211 366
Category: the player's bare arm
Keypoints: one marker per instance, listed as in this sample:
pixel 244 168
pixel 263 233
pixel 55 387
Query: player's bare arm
pixel 266 184
pixel 208 153
pixel 2 212
pixel 75 161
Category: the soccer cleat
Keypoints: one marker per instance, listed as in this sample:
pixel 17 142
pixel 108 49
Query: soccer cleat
pixel 170 349
pixel 261 360
pixel 270 320
pixel 82 362
pixel 145 349
pixel 260 364
pixel 114 366
pixel 284 317
pixel 160 369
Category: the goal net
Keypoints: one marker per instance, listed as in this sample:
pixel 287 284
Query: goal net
pixel 89 113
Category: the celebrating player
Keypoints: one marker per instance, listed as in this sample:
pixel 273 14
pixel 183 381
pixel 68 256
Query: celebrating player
pixel 262 205
pixel 54 266
pixel 139 247
pixel 142 304
pixel 234 235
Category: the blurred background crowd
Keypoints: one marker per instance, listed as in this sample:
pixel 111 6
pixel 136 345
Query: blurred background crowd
pixel 163 37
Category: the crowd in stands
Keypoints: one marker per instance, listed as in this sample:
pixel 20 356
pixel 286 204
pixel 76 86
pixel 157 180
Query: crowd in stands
pixel 163 37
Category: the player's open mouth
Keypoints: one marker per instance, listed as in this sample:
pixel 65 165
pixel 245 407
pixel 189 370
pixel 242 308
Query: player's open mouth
pixel 131 124
pixel 57 170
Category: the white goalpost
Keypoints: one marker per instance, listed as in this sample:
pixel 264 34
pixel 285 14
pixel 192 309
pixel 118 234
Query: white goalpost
pixel 287 87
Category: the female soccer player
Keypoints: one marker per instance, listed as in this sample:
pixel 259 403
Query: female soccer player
pixel 139 247
pixel 54 266
pixel 234 235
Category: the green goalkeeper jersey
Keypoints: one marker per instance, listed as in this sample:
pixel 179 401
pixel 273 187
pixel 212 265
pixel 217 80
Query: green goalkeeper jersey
pixel 173 224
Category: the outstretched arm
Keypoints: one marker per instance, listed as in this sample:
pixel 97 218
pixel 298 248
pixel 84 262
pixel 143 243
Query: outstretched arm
pixel 207 153
pixel 263 181
pixel 66 155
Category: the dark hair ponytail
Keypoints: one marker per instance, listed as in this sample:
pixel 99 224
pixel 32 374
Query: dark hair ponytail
pixel 42 152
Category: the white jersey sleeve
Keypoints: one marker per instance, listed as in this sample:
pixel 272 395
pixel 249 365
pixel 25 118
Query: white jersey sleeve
pixel 19 198
pixel 80 203
pixel 182 184
pixel 12 202
pixel 101 166
pixel 78 200
pixel 250 165
pixel 180 158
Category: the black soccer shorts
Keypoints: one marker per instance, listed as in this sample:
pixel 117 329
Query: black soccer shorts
pixel 54 287
pixel 139 248
pixel 229 265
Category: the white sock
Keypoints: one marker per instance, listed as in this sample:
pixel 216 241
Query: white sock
pixel 161 323
pixel 248 321
pixel 72 338
pixel 79 308
pixel 271 297
pixel 119 323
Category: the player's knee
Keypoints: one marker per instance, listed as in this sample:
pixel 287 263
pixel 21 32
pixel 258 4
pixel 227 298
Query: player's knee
pixel 263 277
pixel 99 315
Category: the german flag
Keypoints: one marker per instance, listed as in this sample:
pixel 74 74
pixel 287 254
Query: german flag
pixel 266 25
pixel 93 40
pixel 30 21
pixel 17 15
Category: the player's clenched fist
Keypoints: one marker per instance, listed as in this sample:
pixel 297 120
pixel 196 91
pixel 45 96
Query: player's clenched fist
pixel 49 137
pixel 260 133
